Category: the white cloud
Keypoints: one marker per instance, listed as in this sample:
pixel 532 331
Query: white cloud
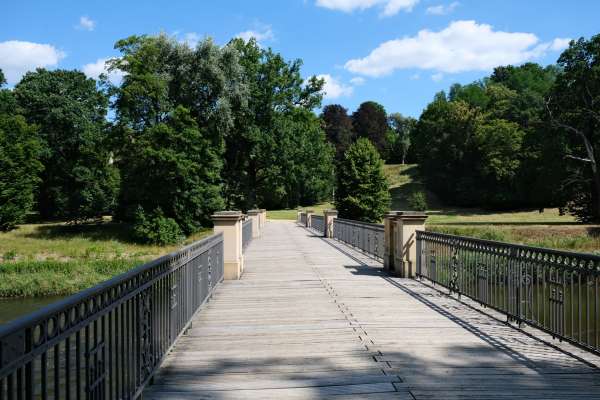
pixel 437 77
pixel 333 88
pixel 93 70
pixel 357 81
pixel 262 34
pixel 415 77
pixel 86 23
pixel 462 46
pixel 390 7
pixel 18 57
pixel 191 39
pixel 442 9
pixel 559 44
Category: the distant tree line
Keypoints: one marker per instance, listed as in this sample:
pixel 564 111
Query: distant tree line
pixel 193 130
pixel 525 136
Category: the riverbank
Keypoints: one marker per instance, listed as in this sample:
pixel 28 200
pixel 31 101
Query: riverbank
pixel 58 259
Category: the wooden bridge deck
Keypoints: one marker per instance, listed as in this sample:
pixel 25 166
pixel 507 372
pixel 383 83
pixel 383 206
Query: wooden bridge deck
pixel 313 319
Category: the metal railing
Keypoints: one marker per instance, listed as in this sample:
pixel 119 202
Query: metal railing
pixel 106 342
pixel 246 233
pixel 317 223
pixel 555 291
pixel 303 218
pixel 362 235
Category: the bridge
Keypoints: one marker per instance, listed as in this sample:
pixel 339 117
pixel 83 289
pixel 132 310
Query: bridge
pixel 310 317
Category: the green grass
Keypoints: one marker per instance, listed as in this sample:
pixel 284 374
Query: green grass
pixel 60 259
pixel 292 213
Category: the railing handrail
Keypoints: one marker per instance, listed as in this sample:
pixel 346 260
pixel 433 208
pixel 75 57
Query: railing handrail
pixel 360 223
pixel 555 252
pixel 58 306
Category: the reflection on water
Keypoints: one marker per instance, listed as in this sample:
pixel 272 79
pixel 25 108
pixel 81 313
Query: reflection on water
pixel 14 308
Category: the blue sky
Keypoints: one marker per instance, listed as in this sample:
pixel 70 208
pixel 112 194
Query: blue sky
pixel 396 52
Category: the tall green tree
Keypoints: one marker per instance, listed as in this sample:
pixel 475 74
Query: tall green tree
pixel 574 108
pixel 19 162
pixel 78 182
pixel 338 128
pixel 174 111
pixel 370 121
pixel 265 154
pixel 399 137
pixel 362 188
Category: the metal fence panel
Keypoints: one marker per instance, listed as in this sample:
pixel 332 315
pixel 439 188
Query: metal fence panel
pixel 362 235
pixel 317 223
pixel 556 291
pixel 106 342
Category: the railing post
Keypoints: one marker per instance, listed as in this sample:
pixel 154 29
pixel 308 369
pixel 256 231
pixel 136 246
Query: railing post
pixel 256 217
pixel 263 218
pixel 230 223
pixel 328 217
pixel 407 225
pixel 389 226
pixel 309 214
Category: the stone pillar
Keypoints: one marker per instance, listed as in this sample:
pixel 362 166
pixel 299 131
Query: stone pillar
pixel 408 223
pixel 299 216
pixel 230 223
pixel 263 213
pixel 256 217
pixel 328 217
pixel 309 214
pixel 389 226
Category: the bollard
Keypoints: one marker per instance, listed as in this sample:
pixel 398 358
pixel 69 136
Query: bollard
pixel 230 223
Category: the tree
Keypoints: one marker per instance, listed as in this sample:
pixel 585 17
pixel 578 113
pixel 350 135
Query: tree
pixel 574 108
pixel 78 182
pixel 266 155
pixel 362 188
pixel 399 140
pixel 338 128
pixel 19 162
pixel 174 111
pixel 370 121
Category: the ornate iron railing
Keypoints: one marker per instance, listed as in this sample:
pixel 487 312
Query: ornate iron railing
pixel 246 233
pixel 317 223
pixel 362 235
pixel 303 218
pixel 556 291
pixel 106 342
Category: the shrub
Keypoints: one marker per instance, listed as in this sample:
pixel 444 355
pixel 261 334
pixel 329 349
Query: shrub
pixel 362 188
pixel 155 228
pixel 417 201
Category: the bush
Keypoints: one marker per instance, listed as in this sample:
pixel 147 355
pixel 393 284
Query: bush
pixel 362 188
pixel 155 228
pixel 417 201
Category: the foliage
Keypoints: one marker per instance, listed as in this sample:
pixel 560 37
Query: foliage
pixel 276 154
pixel 78 182
pixel 487 144
pixel 19 164
pixel 370 121
pixel 417 201
pixel 174 110
pixel 574 110
pixel 155 228
pixel 398 138
pixel 362 188
pixel 338 128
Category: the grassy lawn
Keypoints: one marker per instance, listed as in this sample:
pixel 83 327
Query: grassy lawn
pixel 60 259
pixel 292 213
